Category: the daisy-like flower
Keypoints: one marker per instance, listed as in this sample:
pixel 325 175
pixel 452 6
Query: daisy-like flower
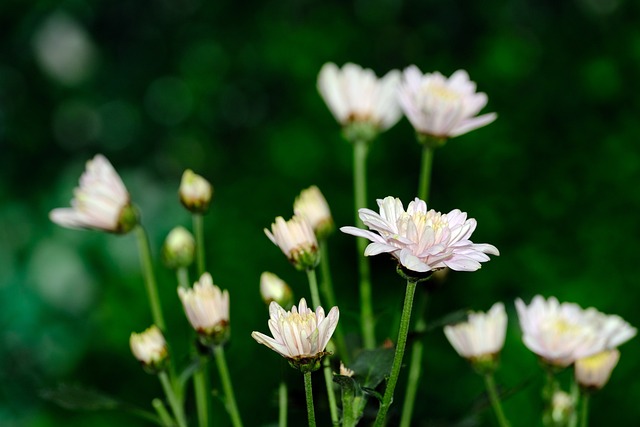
pixel 593 372
pixel 422 240
pixel 101 202
pixel 562 333
pixel 297 241
pixel 150 348
pixel 356 96
pixel 481 337
pixel 312 205
pixel 441 107
pixel 300 335
pixel 207 308
pixel 273 288
pixel 195 192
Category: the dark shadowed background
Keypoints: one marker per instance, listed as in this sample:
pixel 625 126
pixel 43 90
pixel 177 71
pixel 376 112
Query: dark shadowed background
pixel 228 89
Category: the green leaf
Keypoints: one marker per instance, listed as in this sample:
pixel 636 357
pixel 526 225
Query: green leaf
pixel 76 397
pixel 372 366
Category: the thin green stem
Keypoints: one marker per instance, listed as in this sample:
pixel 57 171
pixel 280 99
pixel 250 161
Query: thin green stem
pixel 313 287
pixel 584 412
pixel 495 400
pixel 415 364
pixel 348 416
pixel 182 274
pixel 425 172
pixel 200 388
pixel 172 398
pixel 311 414
pixel 405 320
pixel 360 149
pixel 225 378
pixel 149 277
pixel 162 412
pixel 198 231
pixel 328 376
pixel 282 404
pixel 326 286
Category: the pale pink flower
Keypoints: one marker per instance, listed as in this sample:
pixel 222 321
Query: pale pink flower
pixel 354 94
pixel 422 240
pixel 481 335
pixel 100 202
pixel 296 240
pixel 594 371
pixel 563 333
pixel 300 333
pixel 206 306
pixel 442 107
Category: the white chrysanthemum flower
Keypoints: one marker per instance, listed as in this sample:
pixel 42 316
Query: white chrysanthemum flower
pixel 563 333
pixel 207 308
pixel 422 240
pixel 300 335
pixel 312 205
pixel 356 95
pixel 593 372
pixel 101 201
pixel 149 347
pixel 481 336
pixel 195 192
pixel 297 241
pixel 442 107
pixel 273 288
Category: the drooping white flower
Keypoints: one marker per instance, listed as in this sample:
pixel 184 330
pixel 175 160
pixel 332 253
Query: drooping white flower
pixel 354 94
pixel 593 372
pixel 101 201
pixel 149 347
pixel 481 336
pixel 300 334
pixel 442 107
pixel 312 205
pixel 422 240
pixel 562 333
pixel 195 192
pixel 273 288
pixel 207 308
pixel 297 241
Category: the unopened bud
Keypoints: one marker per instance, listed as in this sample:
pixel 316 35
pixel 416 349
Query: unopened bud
pixel 195 192
pixel 150 348
pixel 312 205
pixel 179 248
pixel 273 288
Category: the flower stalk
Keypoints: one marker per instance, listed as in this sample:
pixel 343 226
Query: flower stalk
pixel 149 277
pixel 490 384
pixel 311 415
pixel 172 398
pixel 326 286
pixel 584 411
pixel 405 320
pixel 360 150
pixel 282 404
pixel 198 231
pixel 227 386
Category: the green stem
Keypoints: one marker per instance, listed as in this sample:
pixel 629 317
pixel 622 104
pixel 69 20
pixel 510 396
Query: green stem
pixel 313 287
pixel 348 417
pixel 201 387
pixel 360 148
pixel 326 286
pixel 495 400
pixel 397 358
pixel 149 277
pixel 198 231
pixel 309 393
pixel 182 274
pixel 162 412
pixel 174 401
pixel 415 364
pixel 282 403
pixel 425 172
pixel 328 376
pixel 223 370
pixel 584 412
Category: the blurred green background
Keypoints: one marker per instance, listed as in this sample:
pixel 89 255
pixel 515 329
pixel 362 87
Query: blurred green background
pixel 229 90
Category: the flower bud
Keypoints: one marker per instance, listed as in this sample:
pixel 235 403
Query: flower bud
pixel 562 408
pixel 297 241
pixel 592 373
pixel 195 192
pixel 179 248
pixel 312 205
pixel 150 348
pixel 273 288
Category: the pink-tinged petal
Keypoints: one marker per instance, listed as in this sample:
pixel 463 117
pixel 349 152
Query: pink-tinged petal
pixel 462 263
pixel 473 124
pixel 412 262
pixel 378 248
